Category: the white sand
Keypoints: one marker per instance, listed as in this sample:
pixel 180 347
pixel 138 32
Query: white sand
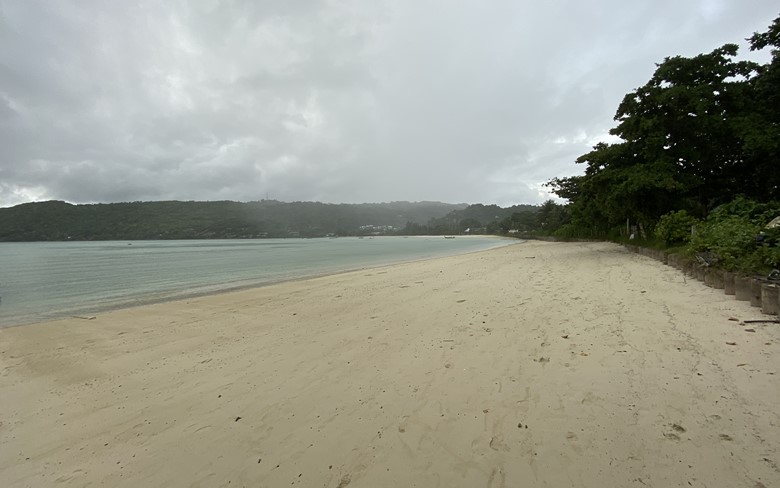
pixel 585 366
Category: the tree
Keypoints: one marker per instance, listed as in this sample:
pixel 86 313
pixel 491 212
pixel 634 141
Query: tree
pixel 684 123
pixel 760 124
pixel 701 130
pixel 551 216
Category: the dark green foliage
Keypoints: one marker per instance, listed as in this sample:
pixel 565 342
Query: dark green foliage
pixel 48 221
pixel 755 212
pixel 551 216
pixel 702 130
pixel 736 232
pixel 478 219
pixel 730 238
pixel 675 227
pixel 528 220
pixel 54 220
pixel 760 124
pixel 765 258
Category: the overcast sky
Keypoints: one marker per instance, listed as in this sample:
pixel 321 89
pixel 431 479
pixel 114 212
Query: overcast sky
pixel 335 101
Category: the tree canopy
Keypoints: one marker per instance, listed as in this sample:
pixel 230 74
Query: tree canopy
pixel 701 131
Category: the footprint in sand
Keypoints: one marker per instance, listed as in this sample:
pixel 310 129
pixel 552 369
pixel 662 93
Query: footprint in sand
pixel 673 436
pixel 574 442
pixel 497 444
pixel 345 480
pixel 497 478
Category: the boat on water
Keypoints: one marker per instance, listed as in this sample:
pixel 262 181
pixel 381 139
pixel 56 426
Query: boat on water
pixel 449 237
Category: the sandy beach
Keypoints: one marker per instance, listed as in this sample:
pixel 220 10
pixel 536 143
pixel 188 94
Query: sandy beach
pixel 537 364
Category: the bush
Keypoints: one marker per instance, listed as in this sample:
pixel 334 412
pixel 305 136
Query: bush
pixel 756 213
pixel 731 238
pixel 737 233
pixel 675 227
pixel 765 258
pixel 573 231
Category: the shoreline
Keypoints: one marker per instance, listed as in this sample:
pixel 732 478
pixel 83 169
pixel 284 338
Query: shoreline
pixel 555 364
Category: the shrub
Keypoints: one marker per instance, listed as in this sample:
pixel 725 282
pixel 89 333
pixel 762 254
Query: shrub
pixel 731 238
pixel 675 227
pixel 732 232
pixel 750 210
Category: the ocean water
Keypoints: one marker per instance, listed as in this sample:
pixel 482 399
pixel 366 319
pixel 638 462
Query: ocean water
pixel 48 280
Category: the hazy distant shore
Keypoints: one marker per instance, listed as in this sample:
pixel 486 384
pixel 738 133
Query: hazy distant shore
pixel 549 364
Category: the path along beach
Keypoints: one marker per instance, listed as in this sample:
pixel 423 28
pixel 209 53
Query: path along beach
pixel 537 364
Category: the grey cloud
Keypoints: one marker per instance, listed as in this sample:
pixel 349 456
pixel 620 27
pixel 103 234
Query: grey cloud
pixel 335 101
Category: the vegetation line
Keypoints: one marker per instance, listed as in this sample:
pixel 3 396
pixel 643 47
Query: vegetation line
pixel 696 165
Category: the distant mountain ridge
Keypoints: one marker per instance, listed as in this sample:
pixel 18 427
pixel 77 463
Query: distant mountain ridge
pixel 60 221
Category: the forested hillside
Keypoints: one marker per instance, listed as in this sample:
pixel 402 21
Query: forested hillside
pixel 55 220
pixel 474 219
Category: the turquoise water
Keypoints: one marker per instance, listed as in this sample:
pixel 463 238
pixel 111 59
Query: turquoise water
pixel 47 280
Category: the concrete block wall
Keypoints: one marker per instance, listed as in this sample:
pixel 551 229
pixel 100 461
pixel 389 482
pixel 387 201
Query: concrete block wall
pixel 761 293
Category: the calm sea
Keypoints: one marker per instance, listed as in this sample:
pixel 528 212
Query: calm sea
pixel 47 280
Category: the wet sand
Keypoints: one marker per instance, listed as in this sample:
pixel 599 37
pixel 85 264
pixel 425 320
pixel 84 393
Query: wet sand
pixel 537 364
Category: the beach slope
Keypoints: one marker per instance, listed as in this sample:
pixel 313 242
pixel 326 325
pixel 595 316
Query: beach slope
pixel 537 364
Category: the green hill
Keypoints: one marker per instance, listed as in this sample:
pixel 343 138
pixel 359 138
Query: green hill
pixel 59 221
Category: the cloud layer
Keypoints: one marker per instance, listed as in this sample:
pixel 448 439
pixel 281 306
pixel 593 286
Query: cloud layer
pixel 336 101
